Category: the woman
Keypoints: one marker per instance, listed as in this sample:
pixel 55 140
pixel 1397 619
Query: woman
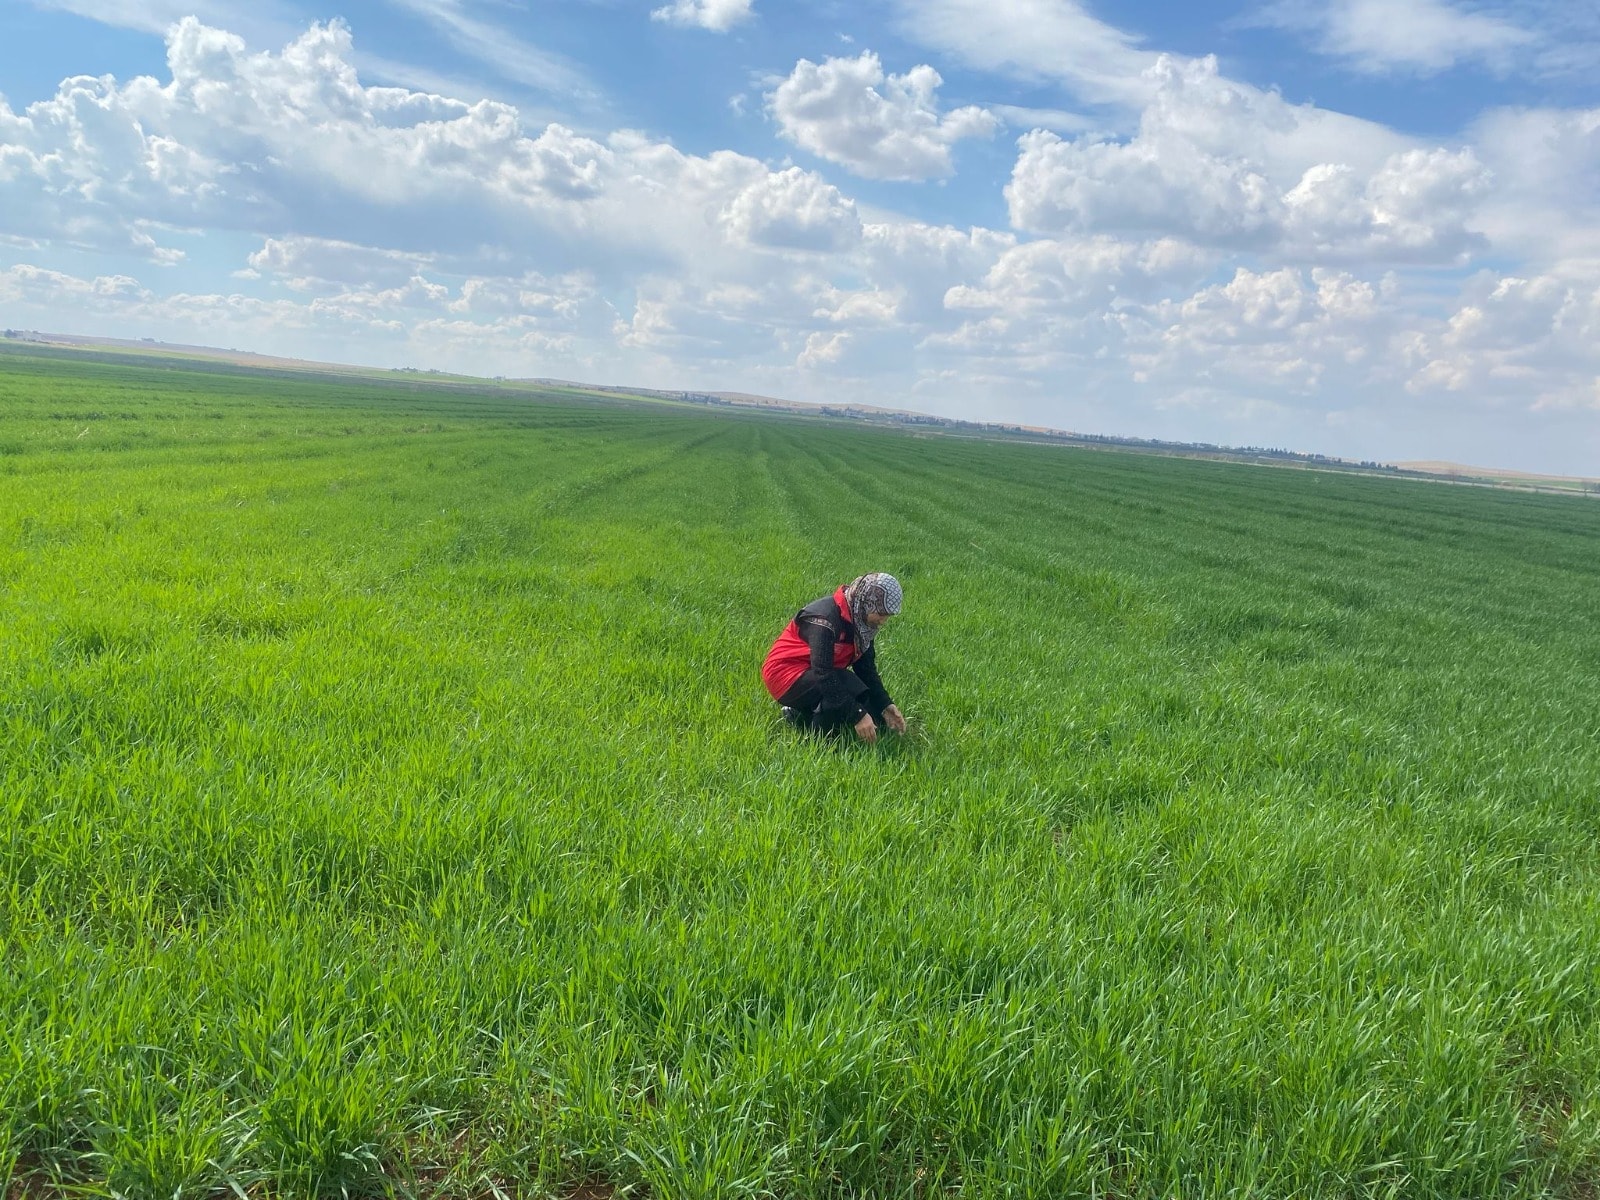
pixel 823 668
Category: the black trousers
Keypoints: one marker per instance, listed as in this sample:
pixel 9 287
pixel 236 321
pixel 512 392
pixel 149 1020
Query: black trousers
pixel 837 714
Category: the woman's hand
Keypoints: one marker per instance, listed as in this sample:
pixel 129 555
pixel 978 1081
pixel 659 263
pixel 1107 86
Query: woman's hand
pixel 896 721
pixel 867 728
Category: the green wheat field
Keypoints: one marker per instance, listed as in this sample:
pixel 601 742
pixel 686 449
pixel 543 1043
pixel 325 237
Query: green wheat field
pixel 391 806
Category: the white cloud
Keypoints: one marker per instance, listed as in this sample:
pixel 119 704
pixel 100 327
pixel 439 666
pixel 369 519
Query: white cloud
pixel 1546 200
pixel 1074 308
pixel 511 57
pixel 1512 350
pixel 1271 335
pixel 1418 36
pixel 571 300
pixel 719 16
pixel 1057 119
pixel 921 262
pixel 294 144
pixel 848 111
pixel 1532 341
pixel 270 21
pixel 792 209
pixel 868 306
pixel 1156 183
pixel 674 319
pixel 482 325
pixel 1036 39
pixel 1190 99
pixel 1417 207
pixel 1232 167
pixel 28 284
pixel 304 261
pixel 1226 120
pixel 1258 307
pixel 1091 274
pixel 823 350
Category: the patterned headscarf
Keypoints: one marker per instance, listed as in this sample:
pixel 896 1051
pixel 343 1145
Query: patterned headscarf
pixel 877 592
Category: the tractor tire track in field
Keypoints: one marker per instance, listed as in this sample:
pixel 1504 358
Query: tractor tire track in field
pixel 800 490
pixel 1033 563
pixel 565 497
pixel 775 494
pixel 511 528
pixel 1182 529
pixel 1155 536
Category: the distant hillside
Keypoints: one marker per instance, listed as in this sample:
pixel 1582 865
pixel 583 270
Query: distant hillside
pixel 1432 467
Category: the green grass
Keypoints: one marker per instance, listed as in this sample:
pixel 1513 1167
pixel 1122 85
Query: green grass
pixel 390 805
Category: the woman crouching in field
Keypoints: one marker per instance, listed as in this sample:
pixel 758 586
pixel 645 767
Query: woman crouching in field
pixel 823 668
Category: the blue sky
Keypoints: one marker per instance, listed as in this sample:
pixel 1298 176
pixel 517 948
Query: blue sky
pixel 1361 227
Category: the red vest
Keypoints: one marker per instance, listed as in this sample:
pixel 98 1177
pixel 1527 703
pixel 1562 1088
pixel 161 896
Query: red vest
pixel 790 657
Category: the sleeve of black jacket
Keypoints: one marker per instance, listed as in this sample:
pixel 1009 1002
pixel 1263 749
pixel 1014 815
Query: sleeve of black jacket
pixel 820 637
pixel 867 668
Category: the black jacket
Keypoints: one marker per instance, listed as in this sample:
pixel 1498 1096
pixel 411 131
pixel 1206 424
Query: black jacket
pixel 822 625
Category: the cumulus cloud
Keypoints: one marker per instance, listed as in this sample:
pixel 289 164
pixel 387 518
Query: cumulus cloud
pixel 1235 168
pixel 303 262
pixel 481 324
pixel 921 262
pixel 1418 36
pixel 1155 183
pixel 385 207
pixel 1275 333
pixel 573 300
pixel 870 306
pixel 1512 356
pixel 1545 203
pixel 674 318
pixel 1530 340
pixel 293 144
pixel 792 209
pixel 1416 207
pixel 1081 275
pixel 719 16
pixel 1261 306
pixel 823 350
pixel 28 284
pixel 848 111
